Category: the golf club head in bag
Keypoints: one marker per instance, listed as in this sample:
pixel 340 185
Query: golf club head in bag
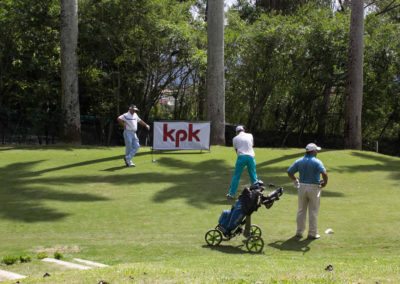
pixel 259 184
pixel 269 200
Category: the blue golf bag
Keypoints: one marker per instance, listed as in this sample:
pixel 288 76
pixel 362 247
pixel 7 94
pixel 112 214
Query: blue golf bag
pixel 237 220
pixel 251 198
pixel 231 219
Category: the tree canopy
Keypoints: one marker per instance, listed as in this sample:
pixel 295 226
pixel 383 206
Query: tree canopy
pixel 285 67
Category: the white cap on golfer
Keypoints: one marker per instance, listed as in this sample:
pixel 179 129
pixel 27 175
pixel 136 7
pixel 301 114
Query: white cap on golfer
pixel 312 147
pixel 239 128
pixel 133 107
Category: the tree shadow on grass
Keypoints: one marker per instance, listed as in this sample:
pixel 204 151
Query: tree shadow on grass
pixel 290 158
pixel 383 163
pixel 293 244
pixel 118 158
pixel 207 182
pixel 23 192
pixel 200 184
pixel 204 182
pixel 22 199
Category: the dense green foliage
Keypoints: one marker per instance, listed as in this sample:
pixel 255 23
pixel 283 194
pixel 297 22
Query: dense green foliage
pixel 287 73
pixel 285 66
pixel 149 222
pixel 29 66
pixel 132 51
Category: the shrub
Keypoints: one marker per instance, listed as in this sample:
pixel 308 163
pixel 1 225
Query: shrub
pixel 9 260
pixel 58 255
pixel 24 258
pixel 41 255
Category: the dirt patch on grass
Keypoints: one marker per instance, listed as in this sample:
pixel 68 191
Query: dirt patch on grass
pixel 57 248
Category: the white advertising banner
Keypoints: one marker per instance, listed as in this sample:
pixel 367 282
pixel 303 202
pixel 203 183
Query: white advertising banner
pixel 181 135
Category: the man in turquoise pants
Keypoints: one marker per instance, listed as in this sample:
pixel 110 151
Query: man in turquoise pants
pixel 243 144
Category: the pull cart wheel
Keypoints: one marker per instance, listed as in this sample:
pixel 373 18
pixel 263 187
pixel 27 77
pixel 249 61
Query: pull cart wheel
pixel 255 244
pixel 255 231
pixel 213 237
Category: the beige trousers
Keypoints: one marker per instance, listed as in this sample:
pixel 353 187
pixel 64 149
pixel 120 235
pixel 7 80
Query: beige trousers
pixel 308 198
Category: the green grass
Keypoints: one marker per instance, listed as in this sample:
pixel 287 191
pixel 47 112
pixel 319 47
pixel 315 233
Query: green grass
pixel 149 222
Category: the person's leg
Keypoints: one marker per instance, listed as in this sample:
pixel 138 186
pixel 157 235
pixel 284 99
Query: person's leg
pixel 251 169
pixel 128 144
pixel 302 210
pixel 134 145
pixel 236 176
pixel 313 209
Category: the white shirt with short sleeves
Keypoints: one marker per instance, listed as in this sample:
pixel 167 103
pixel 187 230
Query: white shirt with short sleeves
pixel 243 143
pixel 131 120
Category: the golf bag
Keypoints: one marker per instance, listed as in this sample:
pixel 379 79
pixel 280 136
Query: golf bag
pixel 237 220
pixel 249 201
pixel 231 219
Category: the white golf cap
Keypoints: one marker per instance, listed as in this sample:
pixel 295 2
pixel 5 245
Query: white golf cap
pixel 239 128
pixel 312 147
pixel 133 107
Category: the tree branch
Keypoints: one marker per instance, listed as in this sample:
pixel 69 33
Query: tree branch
pixel 388 9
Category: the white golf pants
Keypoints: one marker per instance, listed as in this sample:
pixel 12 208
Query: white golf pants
pixel 308 198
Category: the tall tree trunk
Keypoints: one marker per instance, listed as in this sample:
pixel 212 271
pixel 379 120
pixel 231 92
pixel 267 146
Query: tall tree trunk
pixel 215 71
pixel 71 128
pixel 354 94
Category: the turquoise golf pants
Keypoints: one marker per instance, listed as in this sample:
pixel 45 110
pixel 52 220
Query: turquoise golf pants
pixel 241 162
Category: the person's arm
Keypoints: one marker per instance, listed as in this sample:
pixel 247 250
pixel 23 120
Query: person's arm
pixel 234 144
pixel 292 170
pixel 324 175
pixel 292 176
pixel 144 124
pixel 324 180
pixel 121 122
pixel 295 180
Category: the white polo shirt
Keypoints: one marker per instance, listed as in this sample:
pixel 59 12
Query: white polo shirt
pixel 131 120
pixel 243 143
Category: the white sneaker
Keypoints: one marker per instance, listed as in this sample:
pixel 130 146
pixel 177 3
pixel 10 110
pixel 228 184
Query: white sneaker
pixel 229 197
pixel 316 237
pixel 132 164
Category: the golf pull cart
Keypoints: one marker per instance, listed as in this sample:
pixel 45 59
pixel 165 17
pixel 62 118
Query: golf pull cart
pixel 238 220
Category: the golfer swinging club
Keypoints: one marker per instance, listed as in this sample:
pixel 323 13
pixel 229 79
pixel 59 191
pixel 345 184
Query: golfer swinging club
pixel 129 122
pixel 243 145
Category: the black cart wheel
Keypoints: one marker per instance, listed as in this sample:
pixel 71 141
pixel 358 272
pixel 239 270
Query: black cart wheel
pixel 255 244
pixel 213 237
pixel 255 231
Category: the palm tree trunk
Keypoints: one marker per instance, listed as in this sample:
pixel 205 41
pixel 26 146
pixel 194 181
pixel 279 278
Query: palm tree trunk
pixel 354 94
pixel 215 71
pixel 71 128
